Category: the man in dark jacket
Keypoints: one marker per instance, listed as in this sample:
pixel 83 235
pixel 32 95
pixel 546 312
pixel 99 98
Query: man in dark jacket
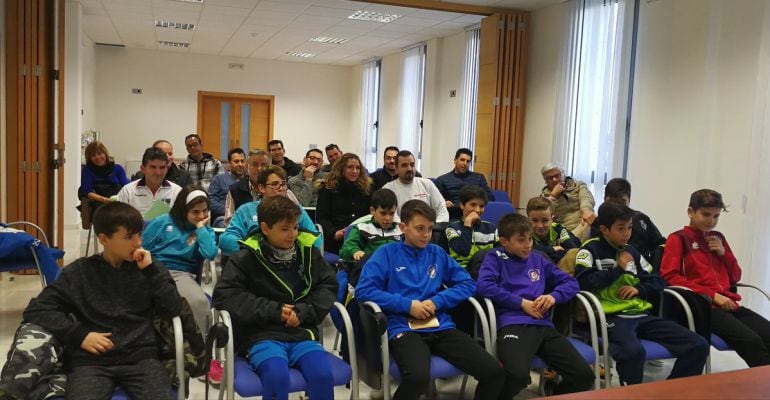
pixel 278 289
pixel 450 183
pixel 388 172
pixel 278 153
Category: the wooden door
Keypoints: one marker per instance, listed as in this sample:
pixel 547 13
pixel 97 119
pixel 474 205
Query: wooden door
pixel 228 120
pixel 30 111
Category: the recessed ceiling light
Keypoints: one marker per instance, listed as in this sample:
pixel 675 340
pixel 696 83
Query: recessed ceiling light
pixel 173 44
pixel 373 16
pixel 190 1
pixel 174 25
pixel 327 39
pixel 298 54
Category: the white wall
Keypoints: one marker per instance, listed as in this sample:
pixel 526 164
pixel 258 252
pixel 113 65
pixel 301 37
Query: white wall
pixel 76 47
pixel 312 102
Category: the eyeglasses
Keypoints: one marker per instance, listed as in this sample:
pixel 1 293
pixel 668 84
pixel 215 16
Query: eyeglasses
pixel 276 185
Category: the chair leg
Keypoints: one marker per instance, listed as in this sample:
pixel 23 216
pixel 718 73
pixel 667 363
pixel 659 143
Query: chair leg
pixel 96 241
pixel 337 341
pixel 462 387
pixel 88 241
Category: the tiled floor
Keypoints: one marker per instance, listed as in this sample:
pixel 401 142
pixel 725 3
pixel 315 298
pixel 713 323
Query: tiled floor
pixel 17 290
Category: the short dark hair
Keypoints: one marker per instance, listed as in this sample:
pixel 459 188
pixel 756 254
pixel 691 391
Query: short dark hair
pixel 611 212
pixel 384 198
pixel 513 224
pixel 274 141
pixel 153 153
pixel 111 216
pixel 181 207
pixel 617 188
pixel 705 198
pixel 465 151
pixel 403 153
pixel 307 153
pixel 265 173
pixel 236 150
pixel 331 146
pixel 389 148
pixel 193 136
pixel 417 207
pixel 539 203
pixel 159 141
pixel 276 209
pixel 470 192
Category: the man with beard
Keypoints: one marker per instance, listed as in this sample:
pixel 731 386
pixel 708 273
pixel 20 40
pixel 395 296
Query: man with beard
pixel 388 171
pixel 278 154
pixel 221 183
pixel 409 187
pixel 450 183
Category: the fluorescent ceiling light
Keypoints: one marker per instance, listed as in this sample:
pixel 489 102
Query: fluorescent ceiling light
pixel 327 39
pixel 373 16
pixel 174 25
pixel 298 54
pixel 190 1
pixel 173 44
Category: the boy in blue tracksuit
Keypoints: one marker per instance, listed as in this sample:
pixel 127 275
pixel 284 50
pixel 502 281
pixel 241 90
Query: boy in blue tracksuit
pixel 270 182
pixel 625 284
pixel 549 237
pixel 524 286
pixel 470 234
pixel 406 280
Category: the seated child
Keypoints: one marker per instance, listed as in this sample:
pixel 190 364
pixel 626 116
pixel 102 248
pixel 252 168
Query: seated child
pixel 406 280
pixel 625 284
pixel 271 181
pixel 699 258
pixel 645 236
pixel 524 286
pixel 278 289
pixel 549 237
pixel 103 307
pixel 470 234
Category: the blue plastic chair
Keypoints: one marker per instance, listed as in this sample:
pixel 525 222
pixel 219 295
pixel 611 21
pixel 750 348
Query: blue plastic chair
pixel 20 250
pixel 495 210
pixel 589 353
pixel 439 367
pixel 239 378
pixel 501 196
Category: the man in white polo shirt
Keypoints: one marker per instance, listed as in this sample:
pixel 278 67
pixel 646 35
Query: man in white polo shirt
pixel 408 187
pixel 144 192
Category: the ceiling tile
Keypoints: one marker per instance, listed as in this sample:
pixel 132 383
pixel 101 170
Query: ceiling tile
pixel 283 6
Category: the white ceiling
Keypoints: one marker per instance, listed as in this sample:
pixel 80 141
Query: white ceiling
pixel 268 29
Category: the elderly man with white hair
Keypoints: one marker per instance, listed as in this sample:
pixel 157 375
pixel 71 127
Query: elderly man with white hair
pixel 573 202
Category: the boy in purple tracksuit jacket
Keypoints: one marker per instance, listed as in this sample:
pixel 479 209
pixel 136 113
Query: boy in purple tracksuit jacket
pixel 524 286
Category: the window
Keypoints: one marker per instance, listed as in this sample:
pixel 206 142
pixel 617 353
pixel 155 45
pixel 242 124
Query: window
pixel 470 89
pixel 412 100
pixel 370 109
pixel 593 109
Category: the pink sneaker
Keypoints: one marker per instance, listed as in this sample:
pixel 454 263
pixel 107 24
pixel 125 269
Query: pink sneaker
pixel 215 372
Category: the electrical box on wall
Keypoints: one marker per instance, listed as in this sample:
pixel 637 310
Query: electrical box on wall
pixel 453 93
pixel 136 91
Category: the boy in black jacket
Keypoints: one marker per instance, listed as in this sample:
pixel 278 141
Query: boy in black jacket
pixel 103 306
pixel 277 289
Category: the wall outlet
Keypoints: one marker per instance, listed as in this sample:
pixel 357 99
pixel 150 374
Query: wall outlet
pixel 313 146
pixel 136 91
pixel 453 93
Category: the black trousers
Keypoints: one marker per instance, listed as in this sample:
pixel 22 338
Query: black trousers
pixel 146 379
pixel 747 332
pixel 689 348
pixel 411 352
pixel 517 346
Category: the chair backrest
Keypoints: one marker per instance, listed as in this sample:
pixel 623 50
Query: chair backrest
pixel 501 195
pixel 495 210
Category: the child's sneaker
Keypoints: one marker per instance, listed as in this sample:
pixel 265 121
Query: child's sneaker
pixel 215 372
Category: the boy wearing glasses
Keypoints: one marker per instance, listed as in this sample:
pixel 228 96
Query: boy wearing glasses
pixel 271 182
pixel 305 184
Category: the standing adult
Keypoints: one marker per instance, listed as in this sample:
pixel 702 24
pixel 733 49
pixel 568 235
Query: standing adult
pixel 450 183
pixel 573 202
pixel 409 187
pixel 344 198
pixel 202 167
pixel 278 154
pixel 220 184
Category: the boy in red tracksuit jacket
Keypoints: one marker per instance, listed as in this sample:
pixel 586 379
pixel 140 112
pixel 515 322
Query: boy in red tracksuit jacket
pixel 700 259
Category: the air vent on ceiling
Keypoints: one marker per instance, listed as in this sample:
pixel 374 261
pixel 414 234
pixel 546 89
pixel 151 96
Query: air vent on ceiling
pixel 174 25
pixel 190 1
pixel 173 44
pixel 298 54
pixel 373 16
pixel 327 39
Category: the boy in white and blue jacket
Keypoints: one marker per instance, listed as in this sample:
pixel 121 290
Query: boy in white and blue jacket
pixel 406 280
pixel 524 286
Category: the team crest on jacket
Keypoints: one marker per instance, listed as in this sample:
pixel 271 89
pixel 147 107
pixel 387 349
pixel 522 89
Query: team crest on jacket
pixel 534 275
pixel 432 271
pixel 695 246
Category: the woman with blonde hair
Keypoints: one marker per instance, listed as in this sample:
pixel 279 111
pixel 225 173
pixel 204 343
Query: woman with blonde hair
pixel 342 199
pixel 101 178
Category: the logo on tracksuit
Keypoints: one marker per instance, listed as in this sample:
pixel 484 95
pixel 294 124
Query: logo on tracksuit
pixel 432 271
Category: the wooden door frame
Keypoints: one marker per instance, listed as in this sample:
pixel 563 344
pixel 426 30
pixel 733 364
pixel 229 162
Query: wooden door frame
pixel 202 94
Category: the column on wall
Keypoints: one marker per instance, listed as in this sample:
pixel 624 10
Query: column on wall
pixel 500 107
